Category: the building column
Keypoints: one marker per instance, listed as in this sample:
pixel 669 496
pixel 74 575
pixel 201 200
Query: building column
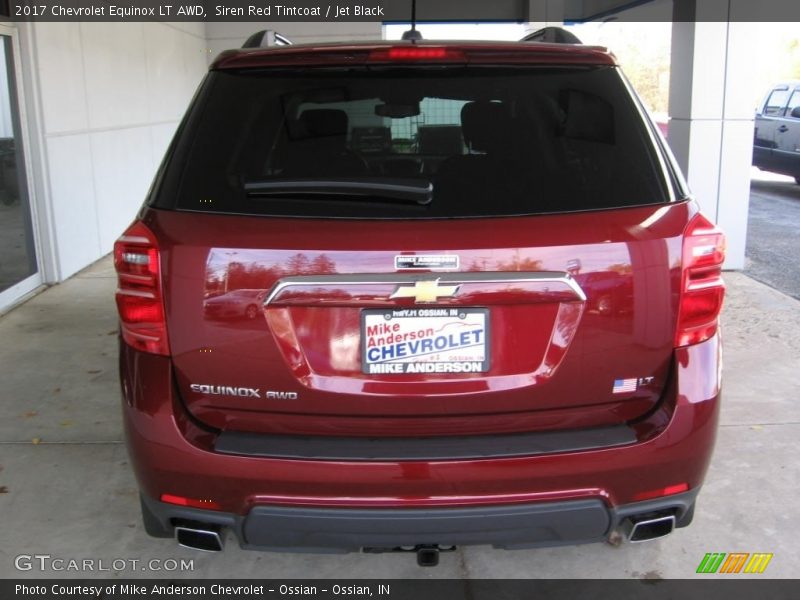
pixel 711 113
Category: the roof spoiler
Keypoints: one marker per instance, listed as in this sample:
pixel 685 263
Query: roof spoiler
pixel 266 38
pixel 552 35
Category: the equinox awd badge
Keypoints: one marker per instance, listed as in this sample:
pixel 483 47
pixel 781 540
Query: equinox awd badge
pixel 242 392
pixel 226 390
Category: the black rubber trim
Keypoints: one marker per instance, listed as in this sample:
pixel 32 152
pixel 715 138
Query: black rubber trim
pixel 421 448
pixel 515 526
pixel 550 524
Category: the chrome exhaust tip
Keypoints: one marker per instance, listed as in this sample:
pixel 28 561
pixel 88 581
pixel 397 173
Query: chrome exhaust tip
pixel 646 529
pixel 198 538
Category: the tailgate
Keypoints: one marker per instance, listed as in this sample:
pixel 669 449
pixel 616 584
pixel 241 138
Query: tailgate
pixel 398 328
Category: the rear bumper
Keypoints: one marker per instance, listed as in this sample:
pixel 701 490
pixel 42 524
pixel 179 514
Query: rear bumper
pixel 549 498
pixel 329 530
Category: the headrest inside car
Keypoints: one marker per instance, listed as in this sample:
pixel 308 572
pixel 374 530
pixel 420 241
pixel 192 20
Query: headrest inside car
pixel 324 122
pixel 484 125
pixel 589 117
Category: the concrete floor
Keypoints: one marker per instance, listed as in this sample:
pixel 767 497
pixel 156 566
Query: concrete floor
pixel 66 489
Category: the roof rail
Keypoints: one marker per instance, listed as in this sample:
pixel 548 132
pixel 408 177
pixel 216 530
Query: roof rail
pixel 265 38
pixel 552 35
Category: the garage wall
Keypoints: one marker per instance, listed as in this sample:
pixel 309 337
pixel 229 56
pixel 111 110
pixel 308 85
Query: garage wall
pixel 104 100
pixel 109 97
pixel 222 36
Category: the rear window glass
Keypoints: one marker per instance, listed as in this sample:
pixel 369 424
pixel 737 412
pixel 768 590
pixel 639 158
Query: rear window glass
pixel 414 142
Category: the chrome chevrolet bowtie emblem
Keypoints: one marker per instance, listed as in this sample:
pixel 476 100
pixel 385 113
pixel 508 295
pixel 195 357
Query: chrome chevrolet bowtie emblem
pixel 425 291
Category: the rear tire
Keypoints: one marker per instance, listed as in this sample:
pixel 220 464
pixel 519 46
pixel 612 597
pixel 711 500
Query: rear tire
pixel 152 526
pixel 797 179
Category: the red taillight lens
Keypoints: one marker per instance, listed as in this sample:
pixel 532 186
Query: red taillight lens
pixel 194 503
pixel 702 289
pixel 139 299
pixel 416 53
pixel 670 490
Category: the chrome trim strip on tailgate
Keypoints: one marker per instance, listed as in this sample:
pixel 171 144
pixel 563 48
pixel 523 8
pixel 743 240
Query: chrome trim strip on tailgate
pixel 367 279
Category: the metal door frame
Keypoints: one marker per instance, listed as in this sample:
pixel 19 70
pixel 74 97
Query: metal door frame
pixel 21 289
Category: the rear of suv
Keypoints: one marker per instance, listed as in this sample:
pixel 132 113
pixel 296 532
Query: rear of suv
pixel 487 307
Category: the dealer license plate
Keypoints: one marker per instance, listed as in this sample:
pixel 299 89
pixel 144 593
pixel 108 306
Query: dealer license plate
pixel 425 340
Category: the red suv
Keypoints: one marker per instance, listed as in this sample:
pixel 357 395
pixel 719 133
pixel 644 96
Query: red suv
pixel 489 311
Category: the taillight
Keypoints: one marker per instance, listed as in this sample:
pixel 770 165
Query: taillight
pixel 670 490
pixel 191 502
pixel 417 53
pixel 702 289
pixel 139 299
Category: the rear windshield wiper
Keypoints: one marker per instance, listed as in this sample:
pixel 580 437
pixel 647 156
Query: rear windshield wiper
pixel 364 188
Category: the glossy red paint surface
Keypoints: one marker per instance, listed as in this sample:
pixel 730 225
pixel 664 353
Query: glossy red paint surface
pixel 577 306
pixel 380 53
pixel 554 355
pixel 172 455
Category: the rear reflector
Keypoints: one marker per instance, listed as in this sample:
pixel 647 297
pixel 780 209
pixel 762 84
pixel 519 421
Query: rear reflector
pixel 702 289
pixel 416 53
pixel 139 299
pixel 191 502
pixel 670 490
